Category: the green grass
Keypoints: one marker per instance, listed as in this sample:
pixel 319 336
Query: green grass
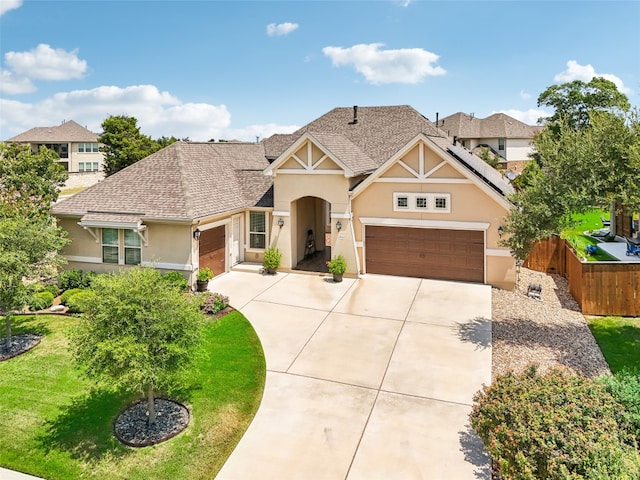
pixel 575 235
pixel 619 340
pixel 54 425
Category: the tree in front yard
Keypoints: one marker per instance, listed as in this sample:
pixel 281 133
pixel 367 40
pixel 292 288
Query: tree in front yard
pixel 30 242
pixel 138 332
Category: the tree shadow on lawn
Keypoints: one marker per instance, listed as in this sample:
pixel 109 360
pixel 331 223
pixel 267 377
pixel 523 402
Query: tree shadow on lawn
pixel 85 427
pixel 476 331
pixel 28 324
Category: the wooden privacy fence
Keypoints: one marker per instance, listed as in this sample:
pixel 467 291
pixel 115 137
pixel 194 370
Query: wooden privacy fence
pixel 600 288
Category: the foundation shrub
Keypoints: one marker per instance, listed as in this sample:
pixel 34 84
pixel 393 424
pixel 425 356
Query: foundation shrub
pixel 77 303
pixel 67 294
pixel 553 426
pixel 40 301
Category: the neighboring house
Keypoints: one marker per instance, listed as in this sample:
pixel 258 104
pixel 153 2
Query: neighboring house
pixel 76 146
pixel 506 136
pixel 380 185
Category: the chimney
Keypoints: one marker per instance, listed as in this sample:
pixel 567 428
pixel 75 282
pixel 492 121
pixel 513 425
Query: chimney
pixel 437 115
pixel 355 115
pixel 455 140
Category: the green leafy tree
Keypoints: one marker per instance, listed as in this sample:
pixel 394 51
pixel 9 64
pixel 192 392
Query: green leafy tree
pixel 166 141
pixel 138 332
pixel 29 240
pixel 29 182
pixel 123 144
pixel 587 156
pixel 575 101
pixel 489 157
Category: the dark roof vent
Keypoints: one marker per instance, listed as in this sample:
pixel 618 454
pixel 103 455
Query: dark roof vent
pixel 355 115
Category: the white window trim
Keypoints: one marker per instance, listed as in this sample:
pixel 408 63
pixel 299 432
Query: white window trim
pixel 267 224
pixel 121 246
pixel 412 200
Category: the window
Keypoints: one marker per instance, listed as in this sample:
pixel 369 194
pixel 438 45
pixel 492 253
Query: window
pixel 95 166
pixel 111 242
pixel 88 147
pixel 110 245
pixel 131 248
pixel 501 144
pixel 422 202
pixel 81 167
pixel 87 166
pixel 441 203
pixel 257 230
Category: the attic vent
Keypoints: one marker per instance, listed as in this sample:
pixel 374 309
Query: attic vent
pixel 355 115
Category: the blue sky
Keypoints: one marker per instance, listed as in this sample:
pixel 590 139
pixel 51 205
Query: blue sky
pixel 247 69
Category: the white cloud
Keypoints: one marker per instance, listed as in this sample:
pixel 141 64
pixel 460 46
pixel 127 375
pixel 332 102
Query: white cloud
pixel 403 3
pixel 158 113
pixel 406 65
pixel 46 63
pixel 285 28
pixel 12 84
pixel 524 95
pixel 530 117
pixel 575 71
pixel 6 5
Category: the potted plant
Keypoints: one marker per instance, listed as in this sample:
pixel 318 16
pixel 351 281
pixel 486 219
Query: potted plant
pixel 272 258
pixel 202 278
pixel 337 266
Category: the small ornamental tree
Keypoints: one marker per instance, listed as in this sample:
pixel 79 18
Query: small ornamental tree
pixel 138 332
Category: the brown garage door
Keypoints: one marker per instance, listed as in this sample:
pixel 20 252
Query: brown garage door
pixel 212 244
pixel 425 253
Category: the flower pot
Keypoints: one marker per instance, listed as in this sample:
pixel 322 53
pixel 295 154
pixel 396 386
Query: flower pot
pixel 202 285
pixel 270 271
pixel 337 277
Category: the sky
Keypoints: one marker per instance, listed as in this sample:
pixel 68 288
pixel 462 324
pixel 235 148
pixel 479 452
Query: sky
pixel 244 70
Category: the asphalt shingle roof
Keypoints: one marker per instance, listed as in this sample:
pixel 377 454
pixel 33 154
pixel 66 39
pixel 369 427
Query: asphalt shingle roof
pixel 68 131
pixel 498 125
pixel 180 182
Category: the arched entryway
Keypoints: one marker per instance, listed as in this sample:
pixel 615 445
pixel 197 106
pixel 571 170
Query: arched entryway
pixel 311 234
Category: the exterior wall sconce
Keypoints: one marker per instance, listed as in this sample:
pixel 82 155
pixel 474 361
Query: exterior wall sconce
pixel 500 231
pixel 281 222
pixel 196 234
pixel 339 225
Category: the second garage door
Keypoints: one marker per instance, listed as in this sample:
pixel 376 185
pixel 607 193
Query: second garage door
pixel 425 253
pixel 212 251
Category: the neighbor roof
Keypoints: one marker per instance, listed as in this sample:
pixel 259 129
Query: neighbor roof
pixel 183 181
pixel 66 132
pixel 498 125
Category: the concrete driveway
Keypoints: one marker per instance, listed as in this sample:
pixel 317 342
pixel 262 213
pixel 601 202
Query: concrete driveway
pixel 366 379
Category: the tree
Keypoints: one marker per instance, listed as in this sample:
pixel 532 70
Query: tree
pixel 123 144
pixel 575 101
pixel 587 156
pixel 29 182
pixel 137 332
pixel 29 240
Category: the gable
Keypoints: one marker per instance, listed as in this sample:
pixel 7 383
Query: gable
pixel 424 162
pixel 308 158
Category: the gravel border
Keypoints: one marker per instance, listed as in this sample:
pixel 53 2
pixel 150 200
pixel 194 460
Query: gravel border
pixel 550 332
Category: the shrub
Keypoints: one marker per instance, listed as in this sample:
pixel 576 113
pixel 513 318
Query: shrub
pixel 40 301
pixel 64 298
pixel 272 258
pixel 204 274
pixel 625 387
pixel 338 265
pixel 75 279
pixel 212 303
pixel 77 303
pixel 553 426
pixel 53 289
pixel 177 280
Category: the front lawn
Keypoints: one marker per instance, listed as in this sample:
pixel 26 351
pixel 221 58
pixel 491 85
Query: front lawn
pixel 55 426
pixel 619 340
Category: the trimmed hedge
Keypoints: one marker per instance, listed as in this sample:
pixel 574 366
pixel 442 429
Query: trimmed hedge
pixel 554 426
pixel 67 294
pixel 40 301
pixel 77 302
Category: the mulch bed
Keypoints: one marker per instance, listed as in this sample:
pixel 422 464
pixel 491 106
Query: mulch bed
pixel 131 426
pixel 19 344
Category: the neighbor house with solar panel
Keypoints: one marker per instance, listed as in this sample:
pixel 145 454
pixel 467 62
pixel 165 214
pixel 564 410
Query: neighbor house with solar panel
pixel 382 186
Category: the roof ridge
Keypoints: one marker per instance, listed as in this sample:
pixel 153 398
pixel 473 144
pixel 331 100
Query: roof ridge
pixel 185 184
